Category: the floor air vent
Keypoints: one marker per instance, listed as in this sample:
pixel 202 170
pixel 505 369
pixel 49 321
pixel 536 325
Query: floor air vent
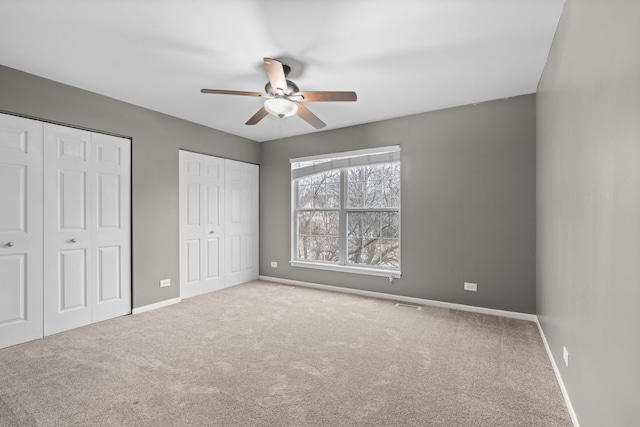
pixel 404 304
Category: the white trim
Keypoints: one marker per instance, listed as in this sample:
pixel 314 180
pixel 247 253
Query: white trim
pixel 462 307
pixel 347 269
pixel 333 164
pixel 160 304
pixel 565 393
pixel 362 152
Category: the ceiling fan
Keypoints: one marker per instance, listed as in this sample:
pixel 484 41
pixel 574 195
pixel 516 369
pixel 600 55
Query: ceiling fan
pixel 284 98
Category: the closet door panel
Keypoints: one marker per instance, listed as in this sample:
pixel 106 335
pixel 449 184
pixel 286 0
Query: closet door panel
pixel 201 226
pixel 73 280
pixel 13 187
pixel 109 197
pixel 72 200
pixel 213 257
pixel 109 274
pixel 234 255
pixel 241 222
pixel 112 230
pixel 20 230
pixel 193 262
pixel 13 305
pixel 68 259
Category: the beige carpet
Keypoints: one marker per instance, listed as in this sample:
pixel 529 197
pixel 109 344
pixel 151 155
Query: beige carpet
pixel 263 354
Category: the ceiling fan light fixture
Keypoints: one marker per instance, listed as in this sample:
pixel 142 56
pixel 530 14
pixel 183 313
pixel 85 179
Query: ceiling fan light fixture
pixel 280 107
pixel 286 99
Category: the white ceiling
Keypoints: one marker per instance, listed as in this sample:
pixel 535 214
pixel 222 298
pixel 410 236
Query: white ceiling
pixel 402 57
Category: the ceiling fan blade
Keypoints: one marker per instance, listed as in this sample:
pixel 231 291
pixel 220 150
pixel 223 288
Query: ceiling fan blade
pixel 309 117
pixel 230 92
pixel 257 116
pixel 277 78
pixel 327 96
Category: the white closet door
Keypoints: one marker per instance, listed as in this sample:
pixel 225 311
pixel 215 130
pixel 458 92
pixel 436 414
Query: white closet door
pixel 111 234
pixel 20 230
pixel 241 222
pixel 201 224
pixel 87 228
pixel 68 216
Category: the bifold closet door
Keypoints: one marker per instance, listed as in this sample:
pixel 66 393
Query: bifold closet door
pixel 201 224
pixel 112 229
pixel 218 223
pixel 86 228
pixel 241 222
pixel 20 230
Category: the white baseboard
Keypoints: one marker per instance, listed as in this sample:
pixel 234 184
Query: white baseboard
pixel 160 304
pixel 462 307
pixel 565 394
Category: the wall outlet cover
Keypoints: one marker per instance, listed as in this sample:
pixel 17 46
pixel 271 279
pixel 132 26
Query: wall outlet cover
pixel 274 264
pixel 470 286
pixel 165 282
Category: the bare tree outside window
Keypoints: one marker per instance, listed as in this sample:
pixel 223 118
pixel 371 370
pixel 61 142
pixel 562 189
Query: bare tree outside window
pixel 372 229
pixel 319 222
pixel 357 208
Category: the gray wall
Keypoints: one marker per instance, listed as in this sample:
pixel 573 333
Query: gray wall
pixel 468 203
pixel 588 208
pixel 156 139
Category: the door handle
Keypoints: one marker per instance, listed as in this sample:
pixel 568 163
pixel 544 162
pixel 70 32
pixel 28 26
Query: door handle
pixel 212 232
pixel 10 244
pixel 73 240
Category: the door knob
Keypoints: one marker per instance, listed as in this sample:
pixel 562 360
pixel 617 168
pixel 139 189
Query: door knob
pixel 10 244
pixel 212 232
pixel 74 240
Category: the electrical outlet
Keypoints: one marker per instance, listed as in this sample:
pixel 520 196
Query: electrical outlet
pixel 274 264
pixel 565 356
pixel 165 282
pixel 470 286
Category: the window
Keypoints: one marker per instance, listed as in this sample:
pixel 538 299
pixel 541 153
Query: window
pixel 346 211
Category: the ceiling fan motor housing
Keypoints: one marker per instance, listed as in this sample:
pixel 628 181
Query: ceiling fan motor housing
pixel 291 89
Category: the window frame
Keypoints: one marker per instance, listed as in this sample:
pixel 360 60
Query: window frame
pixel 343 162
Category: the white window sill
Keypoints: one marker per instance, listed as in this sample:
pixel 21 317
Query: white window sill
pixel 348 269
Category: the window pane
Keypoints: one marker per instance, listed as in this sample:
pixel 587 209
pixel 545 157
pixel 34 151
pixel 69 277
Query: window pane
pixel 355 188
pixel 304 219
pixel 370 251
pixel 319 191
pixel 331 249
pixel 389 224
pixel 332 198
pixel 391 185
pixel 354 224
pixel 363 251
pixel 364 224
pixel 389 253
pixel 305 196
pixel 372 194
pixel 317 224
pixel 332 223
pixel 303 247
pixel 355 250
pixel 373 238
pixel 375 186
pixel 308 247
pixel 371 224
pixel 318 236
